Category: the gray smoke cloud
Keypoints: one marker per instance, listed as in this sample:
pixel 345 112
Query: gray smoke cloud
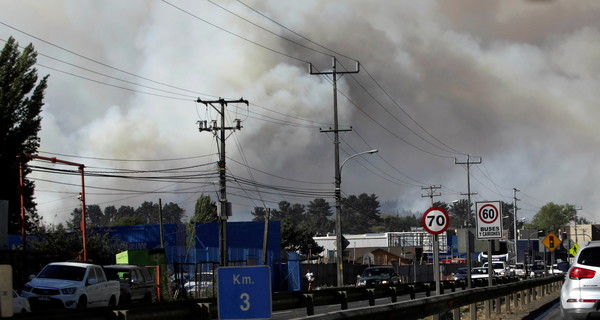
pixel 513 82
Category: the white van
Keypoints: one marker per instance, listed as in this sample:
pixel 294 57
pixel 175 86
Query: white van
pixel 501 268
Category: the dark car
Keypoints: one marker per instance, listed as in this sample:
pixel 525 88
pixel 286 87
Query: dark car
pixel 460 274
pixel 136 283
pixel 374 276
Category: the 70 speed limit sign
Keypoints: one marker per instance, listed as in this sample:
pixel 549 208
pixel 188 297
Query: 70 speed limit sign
pixel 435 220
pixel 489 220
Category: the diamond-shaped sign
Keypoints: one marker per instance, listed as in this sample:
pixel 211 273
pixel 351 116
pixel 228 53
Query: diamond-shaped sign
pixel 551 241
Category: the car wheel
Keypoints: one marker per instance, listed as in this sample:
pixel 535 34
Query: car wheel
pixel 112 302
pixel 82 302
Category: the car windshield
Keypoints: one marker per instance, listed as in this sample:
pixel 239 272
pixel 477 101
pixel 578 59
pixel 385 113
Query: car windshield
pixel 590 257
pixel 479 271
pixel 497 265
pixel 63 272
pixel 370 272
pixel 117 274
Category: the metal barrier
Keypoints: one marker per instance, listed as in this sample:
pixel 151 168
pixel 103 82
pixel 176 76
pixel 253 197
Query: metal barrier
pixel 521 292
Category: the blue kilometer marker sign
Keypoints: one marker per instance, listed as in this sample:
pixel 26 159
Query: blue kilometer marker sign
pixel 244 292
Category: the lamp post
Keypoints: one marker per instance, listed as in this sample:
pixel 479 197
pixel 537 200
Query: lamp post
pixel 338 218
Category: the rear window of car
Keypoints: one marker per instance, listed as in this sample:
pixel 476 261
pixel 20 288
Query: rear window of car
pixel 590 257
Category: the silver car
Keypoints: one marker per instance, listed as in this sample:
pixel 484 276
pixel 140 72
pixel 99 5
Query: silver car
pixel 580 293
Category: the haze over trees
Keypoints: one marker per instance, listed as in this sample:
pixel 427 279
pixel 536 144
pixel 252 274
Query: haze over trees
pixel 21 101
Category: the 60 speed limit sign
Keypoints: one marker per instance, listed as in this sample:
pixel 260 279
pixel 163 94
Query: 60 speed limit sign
pixel 435 220
pixel 489 220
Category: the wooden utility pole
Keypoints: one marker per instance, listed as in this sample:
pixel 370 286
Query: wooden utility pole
pixel 468 163
pixel 336 143
pixel 219 133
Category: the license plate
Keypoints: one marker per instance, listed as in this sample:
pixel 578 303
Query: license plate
pixel 43 298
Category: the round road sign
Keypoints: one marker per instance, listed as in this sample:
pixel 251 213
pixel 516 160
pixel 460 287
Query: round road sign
pixel 435 220
pixel 488 213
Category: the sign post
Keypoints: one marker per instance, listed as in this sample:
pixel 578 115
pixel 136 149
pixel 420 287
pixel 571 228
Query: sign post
pixel 435 221
pixel 489 227
pixel 244 292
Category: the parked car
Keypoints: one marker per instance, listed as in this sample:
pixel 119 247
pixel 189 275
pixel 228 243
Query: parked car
pixel 580 293
pixel 374 276
pixel 135 282
pixel 501 268
pixel 20 304
pixel 460 274
pixel 480 272
pixel 71 285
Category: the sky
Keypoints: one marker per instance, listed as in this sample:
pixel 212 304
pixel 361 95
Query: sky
pixel 511 85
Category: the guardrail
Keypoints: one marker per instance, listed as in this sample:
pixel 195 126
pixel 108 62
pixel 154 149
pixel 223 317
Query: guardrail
pixel 205 309
pixel 523 292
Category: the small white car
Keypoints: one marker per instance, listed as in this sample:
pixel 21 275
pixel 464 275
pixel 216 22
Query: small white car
pixel 20 304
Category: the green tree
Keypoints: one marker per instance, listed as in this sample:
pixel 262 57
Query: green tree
pixel 21 101
pixel 460 216
pixel 172 213
pixel 298 238
pixel 61 243
pixel 398 223
pixel 360 214
pixel 317 217
pixel 552 216
pixel 205 210
pixel 148 211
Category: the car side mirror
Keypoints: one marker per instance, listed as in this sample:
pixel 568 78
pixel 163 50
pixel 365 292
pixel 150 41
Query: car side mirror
pixel 92 281
pixel 31 277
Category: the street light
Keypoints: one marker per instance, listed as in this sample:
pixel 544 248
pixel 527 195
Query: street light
pixel 338 218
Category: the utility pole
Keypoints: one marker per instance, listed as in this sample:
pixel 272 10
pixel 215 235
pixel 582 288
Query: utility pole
pixel 336 143
pixel 468 194
pixel 435 243
pixel 431 192
pixel 516 237
pixel 224 209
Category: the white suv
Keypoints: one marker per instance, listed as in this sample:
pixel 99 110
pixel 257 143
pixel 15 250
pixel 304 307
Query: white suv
pixel 580 293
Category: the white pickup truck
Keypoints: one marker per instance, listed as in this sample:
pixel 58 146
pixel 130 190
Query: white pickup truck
pixel 71 285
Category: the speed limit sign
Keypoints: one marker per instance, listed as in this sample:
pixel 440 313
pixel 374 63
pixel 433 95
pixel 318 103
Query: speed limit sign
pixel 489 220
pixel 435 220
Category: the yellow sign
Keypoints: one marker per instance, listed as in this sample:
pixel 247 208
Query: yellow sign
pixel 551 241
pixel 573 251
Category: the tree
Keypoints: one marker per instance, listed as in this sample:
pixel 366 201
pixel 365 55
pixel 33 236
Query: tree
pixel 298 238
pixel 66 245
pixel 205 210
pixel 172 213
pixel 148 211
pixel 460 215
pixel 360 214
pixel 552 216
pixel 21 101
pixel 317 217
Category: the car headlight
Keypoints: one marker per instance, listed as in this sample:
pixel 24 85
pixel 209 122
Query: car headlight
pixel 68 290
pixel 385 281
pixel 360 282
